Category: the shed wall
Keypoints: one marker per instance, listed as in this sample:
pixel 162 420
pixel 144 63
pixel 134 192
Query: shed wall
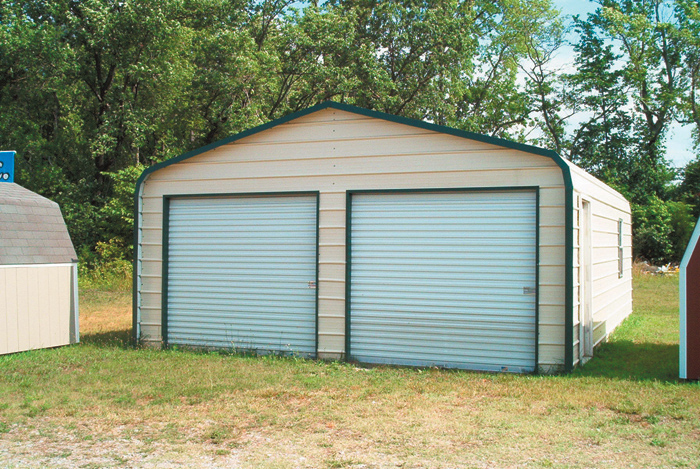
pixel 333 151
pixel 689 306
pixel 38 307
pixel 611 294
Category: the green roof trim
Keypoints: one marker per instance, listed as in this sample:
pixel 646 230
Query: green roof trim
pixel 566 173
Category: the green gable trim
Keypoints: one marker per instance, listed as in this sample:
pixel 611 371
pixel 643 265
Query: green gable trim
pixel 566 174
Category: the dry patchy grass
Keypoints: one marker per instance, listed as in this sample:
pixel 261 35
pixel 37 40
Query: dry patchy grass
pixel 105 316
pixel 104 404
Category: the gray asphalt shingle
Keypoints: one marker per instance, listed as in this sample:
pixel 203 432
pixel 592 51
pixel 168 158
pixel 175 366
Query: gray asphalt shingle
pixel 32 230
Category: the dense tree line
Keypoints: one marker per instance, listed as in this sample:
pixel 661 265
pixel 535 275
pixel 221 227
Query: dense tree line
pixel 93 91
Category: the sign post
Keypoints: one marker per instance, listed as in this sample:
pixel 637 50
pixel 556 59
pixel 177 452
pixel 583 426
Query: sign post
pixel 7 166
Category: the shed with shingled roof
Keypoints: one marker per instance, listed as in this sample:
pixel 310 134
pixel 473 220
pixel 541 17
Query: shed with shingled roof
pixel 38 273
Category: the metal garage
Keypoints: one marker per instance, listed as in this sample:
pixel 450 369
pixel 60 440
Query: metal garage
pixel 444 279
pixel 241 272
pixel 346 233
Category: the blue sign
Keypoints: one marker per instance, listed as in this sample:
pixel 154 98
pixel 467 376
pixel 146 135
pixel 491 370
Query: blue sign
pixel 7 166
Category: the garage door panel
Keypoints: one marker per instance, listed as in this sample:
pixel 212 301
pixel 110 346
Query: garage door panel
pixel 239 270
pixel 274 300
pixel 478 350
pixel 413 303
pixel 444 279
pixel 442 292
pixel 242 245
pixel 272 262
pixel 242 291
pixel 437 281
pixel 259 272
pixel 484 315
pixel 493 272
pixel 242 326
pixel 479 359
pixel 451 329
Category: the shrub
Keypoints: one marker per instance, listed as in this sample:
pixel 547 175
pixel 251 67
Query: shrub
pixel 661 230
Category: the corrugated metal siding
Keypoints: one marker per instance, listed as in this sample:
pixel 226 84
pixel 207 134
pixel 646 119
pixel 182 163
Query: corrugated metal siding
pixel 239 270
pixel 439 279
pixel 336 160
pixel 611 294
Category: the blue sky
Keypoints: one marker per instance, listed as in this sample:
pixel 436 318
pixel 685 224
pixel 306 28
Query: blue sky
pixel 679 145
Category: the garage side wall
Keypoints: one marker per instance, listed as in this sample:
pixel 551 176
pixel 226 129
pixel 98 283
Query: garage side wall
pixel 606 215
pixel 333 151
pixel 38 308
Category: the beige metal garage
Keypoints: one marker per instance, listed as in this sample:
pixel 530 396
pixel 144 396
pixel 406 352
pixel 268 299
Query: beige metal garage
pixel 340 232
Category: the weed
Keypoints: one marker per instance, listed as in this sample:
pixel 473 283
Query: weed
pixel 658 443
pixel 651 419
pixel 218 434
pixel 120 460
pixel 125 400
pixel 340 463
pixel 61 455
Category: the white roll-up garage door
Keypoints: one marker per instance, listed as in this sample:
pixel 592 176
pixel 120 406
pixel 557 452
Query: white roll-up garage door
pixel 444 279
pixel 242 273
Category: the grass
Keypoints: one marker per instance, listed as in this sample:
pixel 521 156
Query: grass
pixel 645 346
pixel 105 404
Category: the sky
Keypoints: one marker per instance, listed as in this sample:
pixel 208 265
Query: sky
pixel 679 144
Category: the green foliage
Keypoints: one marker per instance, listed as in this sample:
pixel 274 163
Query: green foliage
pixel 602 144
pixel 689 189
pixel 634 78
pixel 93 91
pixel 682 224
pixel 651 232
pixel 662 230
pixel 688 37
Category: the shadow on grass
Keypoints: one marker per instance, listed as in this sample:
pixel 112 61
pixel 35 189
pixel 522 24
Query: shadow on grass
pixel 624 359
pixel 620 359
pixel 120 338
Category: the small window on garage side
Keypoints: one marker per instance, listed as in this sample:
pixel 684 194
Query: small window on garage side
pixel 619 247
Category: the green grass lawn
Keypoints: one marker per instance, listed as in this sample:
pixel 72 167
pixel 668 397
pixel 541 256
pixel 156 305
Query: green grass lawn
pixel 104 404
pixel 645 346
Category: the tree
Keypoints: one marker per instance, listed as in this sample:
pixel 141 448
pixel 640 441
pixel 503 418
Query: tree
pixel 603 144
pixel 410 55
pixel 507 33
pixel 549 100
pixel 688 33
pixel 652 68
pixel 689 188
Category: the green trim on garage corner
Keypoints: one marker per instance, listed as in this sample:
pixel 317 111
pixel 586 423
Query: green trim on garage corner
pixel 318 254
pixel 569 266
pixel 348 247
pixel 135 329
pixel 164 272
pixel 537 281
pixel 348 261
pixel 563 165
pixel 166 246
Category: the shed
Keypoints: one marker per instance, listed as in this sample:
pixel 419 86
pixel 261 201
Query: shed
pixel 689 350
pixel 345 233
pixel 38 273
